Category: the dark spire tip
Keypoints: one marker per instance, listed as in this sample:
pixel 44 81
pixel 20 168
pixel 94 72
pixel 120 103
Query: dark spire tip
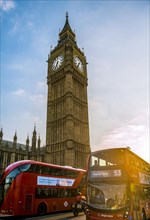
pixel 66 14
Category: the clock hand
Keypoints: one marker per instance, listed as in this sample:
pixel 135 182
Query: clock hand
pixel 57 63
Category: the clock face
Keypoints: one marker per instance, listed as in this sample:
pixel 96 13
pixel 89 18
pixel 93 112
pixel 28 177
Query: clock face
pixel 78 63
pixel 57 62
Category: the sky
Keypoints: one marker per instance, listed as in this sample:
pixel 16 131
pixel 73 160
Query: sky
pixel 115 39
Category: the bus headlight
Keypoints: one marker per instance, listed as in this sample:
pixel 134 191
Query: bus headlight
pixel 126 214
pixel 87 211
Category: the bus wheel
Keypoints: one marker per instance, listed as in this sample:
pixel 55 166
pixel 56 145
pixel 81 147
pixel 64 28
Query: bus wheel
pixel 143 214
pixel 42 209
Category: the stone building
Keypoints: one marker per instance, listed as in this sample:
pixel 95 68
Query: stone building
pixel 67 126
pixel 67 131
pixel 11 151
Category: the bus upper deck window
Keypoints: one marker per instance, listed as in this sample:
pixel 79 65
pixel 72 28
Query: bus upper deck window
pixel 25 167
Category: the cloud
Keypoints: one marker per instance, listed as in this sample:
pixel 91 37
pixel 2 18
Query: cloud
pixel 133 133
pixel 38 99
pixel 7 5
pixel 22 26
pixel 19 92
pixel 30 24
pixel 41 85
pixel 18 66
pixel 124 136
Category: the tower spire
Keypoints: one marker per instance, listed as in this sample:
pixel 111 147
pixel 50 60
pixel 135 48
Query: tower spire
pixel 66 33
pixel 66 15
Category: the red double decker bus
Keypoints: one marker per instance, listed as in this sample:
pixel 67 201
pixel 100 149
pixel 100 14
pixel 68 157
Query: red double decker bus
pixel 29 187
pixel 118 186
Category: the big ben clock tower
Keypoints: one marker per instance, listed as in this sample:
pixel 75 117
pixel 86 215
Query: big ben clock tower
pixel 67 131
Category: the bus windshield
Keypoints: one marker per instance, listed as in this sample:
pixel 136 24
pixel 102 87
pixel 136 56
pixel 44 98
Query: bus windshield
pixel 107 196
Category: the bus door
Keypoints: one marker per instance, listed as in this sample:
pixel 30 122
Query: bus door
pixel 136 207
pixel 135 194
pixel 28 202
